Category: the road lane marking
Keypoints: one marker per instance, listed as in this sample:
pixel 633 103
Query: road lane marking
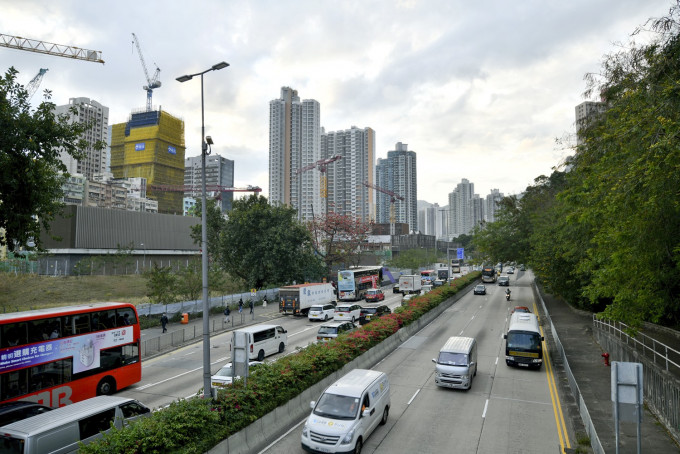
pixel 486 405
pixel 300 332
pixel 414 396
pixel 496 363
pixel 283 436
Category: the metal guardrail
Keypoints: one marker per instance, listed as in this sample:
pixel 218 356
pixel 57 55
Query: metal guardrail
pixel 657 352
pixel 595 442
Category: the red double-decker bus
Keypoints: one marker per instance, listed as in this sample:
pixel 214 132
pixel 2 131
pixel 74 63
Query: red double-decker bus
pixel 63 355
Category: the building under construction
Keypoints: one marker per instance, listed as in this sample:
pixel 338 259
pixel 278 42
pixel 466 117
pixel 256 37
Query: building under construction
pixel 151 145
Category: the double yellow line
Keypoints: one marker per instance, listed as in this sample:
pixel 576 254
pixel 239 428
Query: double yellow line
pixel 557 407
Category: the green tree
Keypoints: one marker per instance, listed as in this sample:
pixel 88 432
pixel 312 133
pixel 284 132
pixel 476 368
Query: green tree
pixel 215 222
pixel 161 285
pixel 413 259
pixel 31 173
pixel 266 245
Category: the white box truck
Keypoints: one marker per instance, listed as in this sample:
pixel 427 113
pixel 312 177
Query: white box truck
pixel 409 283
pixel 297 299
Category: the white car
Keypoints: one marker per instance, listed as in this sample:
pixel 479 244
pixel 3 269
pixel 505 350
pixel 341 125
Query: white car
pixel 350 312
pixel 223 376
pixel 321 312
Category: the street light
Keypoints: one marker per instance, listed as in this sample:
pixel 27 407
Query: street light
pixel 205 142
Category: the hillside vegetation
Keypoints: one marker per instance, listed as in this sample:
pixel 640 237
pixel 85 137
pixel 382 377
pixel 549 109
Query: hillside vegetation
pixel 28 291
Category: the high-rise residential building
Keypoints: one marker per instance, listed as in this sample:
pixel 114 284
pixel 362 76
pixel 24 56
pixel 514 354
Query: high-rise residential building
pixel 586 111
pixel 465 209
pixel 88 111
pixel 219 172
pixel 151 145
pixel 294 145
pixel 347 193
pixel 491 205
pixel 397 174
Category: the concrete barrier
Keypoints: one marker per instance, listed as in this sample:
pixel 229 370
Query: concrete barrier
pixel 278 421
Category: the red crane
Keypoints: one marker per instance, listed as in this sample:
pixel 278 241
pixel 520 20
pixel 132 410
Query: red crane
pixel 322 165
pixel 393 198
pixel 189 188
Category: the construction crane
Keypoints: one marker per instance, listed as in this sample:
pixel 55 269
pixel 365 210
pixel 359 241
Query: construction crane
pixel 322 165
pixel 33 85
pixel 43 47
pixel 151 82
pixel 208 188
pixel 393 198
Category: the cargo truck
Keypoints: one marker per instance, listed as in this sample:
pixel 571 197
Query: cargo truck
pixel 297 299
pixel 409 283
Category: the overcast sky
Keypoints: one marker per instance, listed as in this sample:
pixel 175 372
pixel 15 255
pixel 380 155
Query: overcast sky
pixel 479 90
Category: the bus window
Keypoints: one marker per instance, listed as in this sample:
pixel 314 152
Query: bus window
pixel 14 334
pixel 125 317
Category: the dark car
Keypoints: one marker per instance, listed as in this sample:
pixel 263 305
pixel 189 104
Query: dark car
pixel 504 281
pixel 16 411
pixel 367 313
pixel 374 295
pixel 480 289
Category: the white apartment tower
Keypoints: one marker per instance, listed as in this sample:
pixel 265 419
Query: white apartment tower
pixel 347 193
pixel 491 205
pixel 397 174
pixel 88 111
pixel 294 144
pixel 464 211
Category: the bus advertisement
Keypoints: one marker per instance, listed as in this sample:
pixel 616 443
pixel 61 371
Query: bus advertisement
pixel 355 282
pixel 488 274
pixel 59 356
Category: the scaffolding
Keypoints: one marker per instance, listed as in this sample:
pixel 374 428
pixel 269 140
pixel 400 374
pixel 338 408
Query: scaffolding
pixel 151 145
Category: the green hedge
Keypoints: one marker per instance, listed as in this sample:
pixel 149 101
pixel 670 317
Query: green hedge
pixel 195 426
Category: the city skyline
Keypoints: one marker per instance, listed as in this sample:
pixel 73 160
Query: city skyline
pixel 481 91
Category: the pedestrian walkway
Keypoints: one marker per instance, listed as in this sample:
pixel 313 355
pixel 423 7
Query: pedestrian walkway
pixel 575 330
pixel 155 342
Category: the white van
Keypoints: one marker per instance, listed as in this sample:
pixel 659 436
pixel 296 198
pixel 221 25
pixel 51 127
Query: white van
pixel 321 312
pixel 59 431
pixel 264 340
pixel 347 412
pixel 457 363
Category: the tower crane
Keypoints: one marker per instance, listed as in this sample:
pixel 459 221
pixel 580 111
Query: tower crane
pixel 33 85
pixel 151 82
pixel 43 47
pixel 322 165
pixel 393 198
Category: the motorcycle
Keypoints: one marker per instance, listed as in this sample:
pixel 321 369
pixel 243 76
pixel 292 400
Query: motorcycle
pixel 507 296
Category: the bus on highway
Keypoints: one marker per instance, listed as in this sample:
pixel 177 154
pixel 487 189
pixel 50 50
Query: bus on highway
pixel 63 355
pixel 455 266
pixel 523 341
pixel 488 274
pixel 355 282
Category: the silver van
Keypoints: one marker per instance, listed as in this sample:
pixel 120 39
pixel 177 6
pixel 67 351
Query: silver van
pixel 59 431
pixel 457 363
pixel 347 412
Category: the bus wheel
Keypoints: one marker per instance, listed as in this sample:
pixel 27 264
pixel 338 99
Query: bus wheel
pixel 282 347
pixel 106 387
pixel 260 355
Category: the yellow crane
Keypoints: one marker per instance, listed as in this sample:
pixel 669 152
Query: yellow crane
pixel 44 47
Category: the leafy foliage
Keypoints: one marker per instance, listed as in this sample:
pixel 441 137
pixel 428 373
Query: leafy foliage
pixel 266 245
pixel 31 173
pixel 413 258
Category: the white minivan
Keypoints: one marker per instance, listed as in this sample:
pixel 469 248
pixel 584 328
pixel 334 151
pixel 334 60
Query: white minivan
pixel 347 412
pixel 264 340
pixel 350 312
pixel 321 312
pixel 62 429
pixel 456 365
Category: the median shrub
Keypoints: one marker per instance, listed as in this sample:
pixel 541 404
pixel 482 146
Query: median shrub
pixel 194 426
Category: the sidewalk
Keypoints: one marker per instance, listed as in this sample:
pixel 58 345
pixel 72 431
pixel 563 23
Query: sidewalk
pixel 575 330
pixel 179 334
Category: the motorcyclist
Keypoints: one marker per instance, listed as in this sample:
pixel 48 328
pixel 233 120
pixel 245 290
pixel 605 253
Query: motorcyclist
pixel 507 293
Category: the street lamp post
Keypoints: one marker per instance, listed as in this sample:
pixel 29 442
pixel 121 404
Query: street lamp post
pixel 205 142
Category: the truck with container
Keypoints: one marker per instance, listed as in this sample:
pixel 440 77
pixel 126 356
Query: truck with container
pixel 409 283
pixel 297 299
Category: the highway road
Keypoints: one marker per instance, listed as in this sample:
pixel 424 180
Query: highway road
pixel 507 410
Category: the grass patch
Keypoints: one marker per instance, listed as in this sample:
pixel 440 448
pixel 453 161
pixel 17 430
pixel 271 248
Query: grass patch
pixel 29 291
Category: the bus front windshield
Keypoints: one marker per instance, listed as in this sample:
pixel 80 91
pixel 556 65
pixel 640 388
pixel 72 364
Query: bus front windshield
pixel 524 341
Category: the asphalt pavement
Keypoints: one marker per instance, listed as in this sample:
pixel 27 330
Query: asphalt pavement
pixel 584 355
pixel 575 330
